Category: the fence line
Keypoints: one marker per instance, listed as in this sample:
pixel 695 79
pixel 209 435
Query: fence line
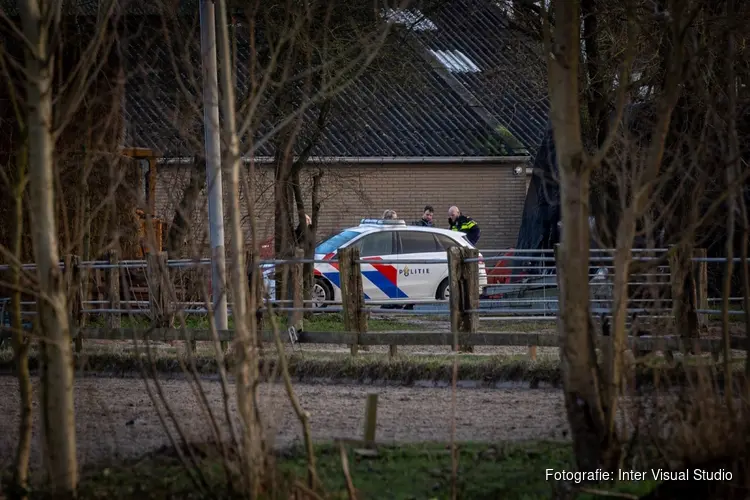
pixel 516 297
pixel 426 338
pixel 514 255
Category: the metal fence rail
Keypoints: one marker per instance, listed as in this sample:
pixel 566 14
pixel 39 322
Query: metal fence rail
pixel 521 284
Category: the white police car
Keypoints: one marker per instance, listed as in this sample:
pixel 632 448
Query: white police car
pixel 389 282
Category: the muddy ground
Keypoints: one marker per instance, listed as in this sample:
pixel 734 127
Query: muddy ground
pixel 116 418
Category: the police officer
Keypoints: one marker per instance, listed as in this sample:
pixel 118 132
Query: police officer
pixel 459 222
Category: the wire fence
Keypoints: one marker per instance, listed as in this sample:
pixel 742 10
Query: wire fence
pixel 494 285
pixel 514 284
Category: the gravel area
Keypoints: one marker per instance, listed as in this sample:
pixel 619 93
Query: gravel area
pixel 117 419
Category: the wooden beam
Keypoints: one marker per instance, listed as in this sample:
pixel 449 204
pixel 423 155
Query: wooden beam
pixel 138 153
pixel 671 343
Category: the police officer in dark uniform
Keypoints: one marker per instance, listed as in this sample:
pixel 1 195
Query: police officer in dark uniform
pixel 459 222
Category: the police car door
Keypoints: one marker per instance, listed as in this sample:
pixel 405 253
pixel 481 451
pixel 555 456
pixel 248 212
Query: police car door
pixel 415 279
pixel 378 280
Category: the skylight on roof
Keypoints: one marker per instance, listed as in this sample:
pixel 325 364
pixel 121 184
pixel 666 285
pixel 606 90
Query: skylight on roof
pixel 411 18
pixel 455 61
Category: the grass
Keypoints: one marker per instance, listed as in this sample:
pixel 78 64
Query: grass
pixel 371 367
pixel 423 471
pixel 118 358
pixel 532 326
pixel 333 322
pixel 324 322
pixel 367 367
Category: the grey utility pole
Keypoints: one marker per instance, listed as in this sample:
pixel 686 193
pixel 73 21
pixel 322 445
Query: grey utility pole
pixel 213 164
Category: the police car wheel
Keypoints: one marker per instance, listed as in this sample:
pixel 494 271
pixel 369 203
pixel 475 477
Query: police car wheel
pixel 321 293
pixel 443 291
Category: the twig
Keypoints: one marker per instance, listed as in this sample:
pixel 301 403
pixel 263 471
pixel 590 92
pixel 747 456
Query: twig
pixel 200 395
pixel 197 480
pixel 222 369
pixel 302 415
pixel 454 452
pixel 347 476
pixel 307 491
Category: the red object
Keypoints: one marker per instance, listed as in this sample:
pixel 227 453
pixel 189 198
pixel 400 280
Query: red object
pixel 267 249
pixel 499 274
pixel 502 273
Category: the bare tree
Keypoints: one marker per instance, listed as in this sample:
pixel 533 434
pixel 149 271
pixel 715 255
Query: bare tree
pixel 17 181
pixel 48 89
pixel 655 162
pixel 247 364
pixel 57 376
pixel 582 380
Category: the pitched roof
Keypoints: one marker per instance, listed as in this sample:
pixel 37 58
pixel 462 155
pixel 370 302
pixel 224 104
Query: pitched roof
pixel 457 83
pixel 503 69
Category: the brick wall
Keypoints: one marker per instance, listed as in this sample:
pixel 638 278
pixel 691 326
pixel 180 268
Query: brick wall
pixel 491 194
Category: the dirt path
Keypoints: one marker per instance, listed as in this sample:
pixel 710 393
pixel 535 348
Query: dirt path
pixel 116 418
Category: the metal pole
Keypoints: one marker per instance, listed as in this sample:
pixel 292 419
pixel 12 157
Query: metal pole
pixel 213 163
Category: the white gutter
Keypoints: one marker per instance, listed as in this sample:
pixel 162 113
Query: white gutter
pixel 374 160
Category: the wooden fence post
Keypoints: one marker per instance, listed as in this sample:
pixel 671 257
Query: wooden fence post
pixel 76 294
pixel 463 275
pixel 684 316
pixel 701 283
pixel 157 275
pixel 371 419
pixel 98 287
pixel 113 290
pixel 298 285
pixel 255 282
pixel 454 300
pixel 352 294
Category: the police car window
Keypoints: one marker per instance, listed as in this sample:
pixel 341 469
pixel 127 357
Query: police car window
pixel 380 243
pixel 334 242
pixel 418 242
pixel 446 242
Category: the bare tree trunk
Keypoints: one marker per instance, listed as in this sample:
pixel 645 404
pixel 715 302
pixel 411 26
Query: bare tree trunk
pixel 578 357
pixel 745 279
pixel 180 226
pixel 244 324
pixel 310 244
pixel 642 186
pixel 283 227
pixel 20 342
pixel 622 262
pixel 731 175
pixel 58 423
pixel 310 233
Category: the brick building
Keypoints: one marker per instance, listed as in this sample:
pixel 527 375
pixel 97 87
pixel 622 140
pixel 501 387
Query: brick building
pixel 357 188
pixel 457 124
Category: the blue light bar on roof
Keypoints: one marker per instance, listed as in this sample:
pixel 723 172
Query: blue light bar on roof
pixel 382 222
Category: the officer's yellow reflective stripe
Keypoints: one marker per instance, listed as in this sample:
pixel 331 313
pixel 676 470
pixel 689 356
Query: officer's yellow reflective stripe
pixel 468 225
pixel 454 228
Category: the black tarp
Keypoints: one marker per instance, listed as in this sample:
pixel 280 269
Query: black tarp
pixel 539 228
pixel 541 210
